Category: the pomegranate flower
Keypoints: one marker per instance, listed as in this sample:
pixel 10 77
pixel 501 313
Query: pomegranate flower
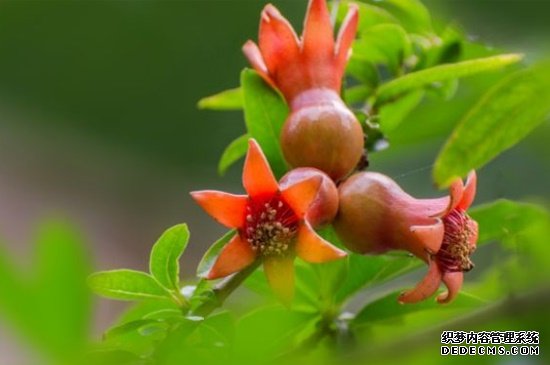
pixel 320 131
pixel 271 225
pixel 376 216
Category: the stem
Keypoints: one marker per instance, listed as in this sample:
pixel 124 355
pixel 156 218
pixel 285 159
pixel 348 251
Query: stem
pixel 309 343
pixel 180 300
pixel 224 288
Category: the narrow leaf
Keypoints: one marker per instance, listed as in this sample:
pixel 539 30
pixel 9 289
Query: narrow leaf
pixel 419 79
pixel 364 71
pixel 62 265
pixel 503 117
pixel 265 112
pixel 369 15
pixel 504 219
pixel 126 285
pixel 365 271
pixel 392 114
pixel 231 99
pixel 388 308
pixel 412 14
pixel 16 300
pixel 127 327
pixel 211 255
pixel 164 260
pixel 357 94
pixel 233 153
pixel 383 44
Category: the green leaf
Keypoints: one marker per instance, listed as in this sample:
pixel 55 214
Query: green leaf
pixel 264 112
pixel 164 260
pixel 50 305
pixel 504 116
pixel 112 357
pixel 364 71
pixel 180 345
pixel 17 307
pixel 433 119
pixel 369 15
pixel 357 94
pixel 504 219
pixel 392 114
pixel 127 327
pixel 233 153
pixel 446 48
pixel 278 328
pixel 419 79
pixel 126 284
pixel 211 255
pixel 412 14
pixel 231 99
pixel 62 265
pixel 384 44
pixel 145 309
pixel 366 271
pixel 388 308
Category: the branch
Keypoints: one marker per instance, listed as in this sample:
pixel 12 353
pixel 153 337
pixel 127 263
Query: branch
pixel 223 289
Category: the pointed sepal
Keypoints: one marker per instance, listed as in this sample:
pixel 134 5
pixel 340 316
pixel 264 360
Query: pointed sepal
pixel 279 271
pixel 313 248
pixel 235 256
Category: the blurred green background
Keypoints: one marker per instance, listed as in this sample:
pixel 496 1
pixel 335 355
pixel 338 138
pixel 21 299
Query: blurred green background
pixel 98 120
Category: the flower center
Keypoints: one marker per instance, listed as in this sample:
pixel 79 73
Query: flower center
pixel 271 225
pixel 455 251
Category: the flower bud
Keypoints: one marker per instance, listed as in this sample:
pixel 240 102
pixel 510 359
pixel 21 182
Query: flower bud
pixel 376 215
pixel 320 131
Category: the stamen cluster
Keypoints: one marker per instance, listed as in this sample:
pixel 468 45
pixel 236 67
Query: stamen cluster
pixel 270 227
pixel 456 248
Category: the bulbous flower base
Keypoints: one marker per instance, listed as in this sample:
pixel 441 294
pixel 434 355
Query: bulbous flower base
pixel 322 132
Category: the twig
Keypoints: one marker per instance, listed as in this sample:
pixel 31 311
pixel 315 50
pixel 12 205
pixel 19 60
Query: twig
pixel 223 289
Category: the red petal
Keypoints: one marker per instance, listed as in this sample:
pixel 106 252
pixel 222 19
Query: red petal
pixel 278 41
pixel 318 38
pixel 235 256
pixel 228 209
pixel 425 288
pixel 346 35
pixel 453 282
pixel 279 271
pixel 254 56
pixel 434 208
pixel 456 191
pixel 431 236
pixel 258 178
pixel 469 191
pixel 301 194
pixel 311 247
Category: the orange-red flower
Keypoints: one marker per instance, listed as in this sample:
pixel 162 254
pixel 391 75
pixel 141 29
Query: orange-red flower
pixel 376 215
pixel 314 61
pixel 271 224
pixel 320 131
